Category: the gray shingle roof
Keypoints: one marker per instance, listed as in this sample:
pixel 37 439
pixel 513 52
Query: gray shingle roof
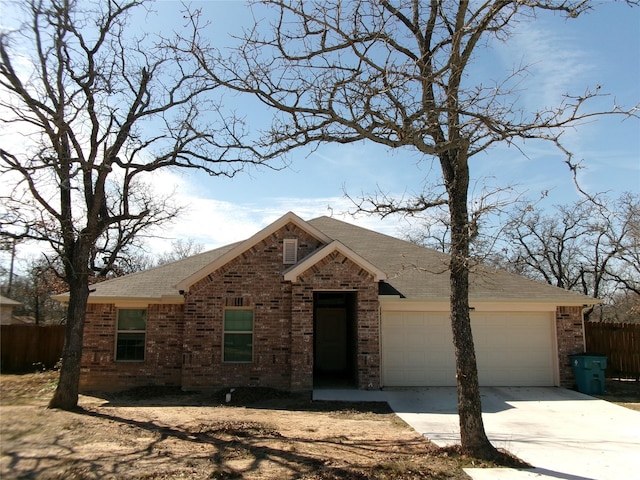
pixel 158 282
pixel 412 272
pixel 422 273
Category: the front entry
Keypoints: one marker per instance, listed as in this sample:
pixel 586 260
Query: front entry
pixel 334 333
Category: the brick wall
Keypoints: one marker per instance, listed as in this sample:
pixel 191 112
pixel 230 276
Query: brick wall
pixel 162 364
pixel 570 335
pixel 336 272
pixel 184 342
pixel 254 280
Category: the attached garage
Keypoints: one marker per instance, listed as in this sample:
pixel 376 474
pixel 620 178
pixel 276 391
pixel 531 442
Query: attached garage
pixel 512 348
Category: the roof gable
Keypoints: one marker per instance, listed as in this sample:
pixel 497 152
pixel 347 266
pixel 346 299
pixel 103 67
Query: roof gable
pixel 242 247
pixel 294 272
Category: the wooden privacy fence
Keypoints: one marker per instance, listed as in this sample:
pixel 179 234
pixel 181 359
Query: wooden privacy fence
pixel 22 346
pixel 620 342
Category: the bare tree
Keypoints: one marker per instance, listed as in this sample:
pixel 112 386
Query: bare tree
pixel 93 109
pixel 138 259
pixel 397 74
pixel 34 290
pixel 180 249
pixel 627 220
pixel 487 205
pixel 591 246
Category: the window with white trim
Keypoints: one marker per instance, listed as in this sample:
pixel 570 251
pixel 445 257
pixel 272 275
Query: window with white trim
pixel 238 335
pixel 289 251
pixel 131 333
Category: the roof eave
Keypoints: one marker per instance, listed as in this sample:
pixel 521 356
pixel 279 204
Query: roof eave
pixel 293 273
pixel 493 303
pixel 123 300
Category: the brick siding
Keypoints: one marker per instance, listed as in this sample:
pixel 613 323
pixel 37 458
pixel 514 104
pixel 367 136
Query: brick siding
pixel 570 335
pixel 253 280
pixel 333 273
pixel 162 363
pixel 184 342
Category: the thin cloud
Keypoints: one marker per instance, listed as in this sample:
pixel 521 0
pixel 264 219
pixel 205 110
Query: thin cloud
pixel 216 222
pixel 554 62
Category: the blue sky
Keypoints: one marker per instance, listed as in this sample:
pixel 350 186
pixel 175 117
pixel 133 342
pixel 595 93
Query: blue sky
pixel 602 47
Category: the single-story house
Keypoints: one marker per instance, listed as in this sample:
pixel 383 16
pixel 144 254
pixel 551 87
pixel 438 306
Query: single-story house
pixel 303 304
pixel 6 311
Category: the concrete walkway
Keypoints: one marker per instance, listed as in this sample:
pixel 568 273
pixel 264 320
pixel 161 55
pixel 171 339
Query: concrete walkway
pixel 562 433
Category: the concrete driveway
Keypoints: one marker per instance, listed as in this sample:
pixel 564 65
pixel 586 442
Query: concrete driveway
pixel 562 433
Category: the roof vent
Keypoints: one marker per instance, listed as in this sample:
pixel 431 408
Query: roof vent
pixel 290 251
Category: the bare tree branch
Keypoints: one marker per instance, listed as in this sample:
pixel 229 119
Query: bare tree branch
pixel 589 246
pixel 396 73
pixel 97 108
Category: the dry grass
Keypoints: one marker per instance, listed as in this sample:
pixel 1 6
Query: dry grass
pixel 163 433
pixel 167 434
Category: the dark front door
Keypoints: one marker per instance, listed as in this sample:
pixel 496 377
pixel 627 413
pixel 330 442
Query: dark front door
pixel 331 340
pixel 334 338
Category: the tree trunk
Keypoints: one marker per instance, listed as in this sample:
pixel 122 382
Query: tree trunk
pixel 473 437
pixel 66 394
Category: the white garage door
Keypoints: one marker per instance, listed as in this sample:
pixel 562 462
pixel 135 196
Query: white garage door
pixel 512 349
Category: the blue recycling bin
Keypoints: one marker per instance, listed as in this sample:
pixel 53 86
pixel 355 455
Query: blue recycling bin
pixel 589 369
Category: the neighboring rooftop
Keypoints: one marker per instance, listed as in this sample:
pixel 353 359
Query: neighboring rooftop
pixel 7 301
pixel 6 311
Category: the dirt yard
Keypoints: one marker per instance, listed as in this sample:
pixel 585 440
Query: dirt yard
pixel 261 434
pixel 167 434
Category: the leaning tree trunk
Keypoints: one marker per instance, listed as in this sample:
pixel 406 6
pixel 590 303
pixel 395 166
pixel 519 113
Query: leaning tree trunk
pixel 66 394
pixel 473 437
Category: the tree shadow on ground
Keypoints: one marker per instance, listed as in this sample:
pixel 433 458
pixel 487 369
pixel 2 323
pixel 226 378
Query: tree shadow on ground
pixel 100 441
pixel 233 450
pixel 253 442
pixel 273 399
